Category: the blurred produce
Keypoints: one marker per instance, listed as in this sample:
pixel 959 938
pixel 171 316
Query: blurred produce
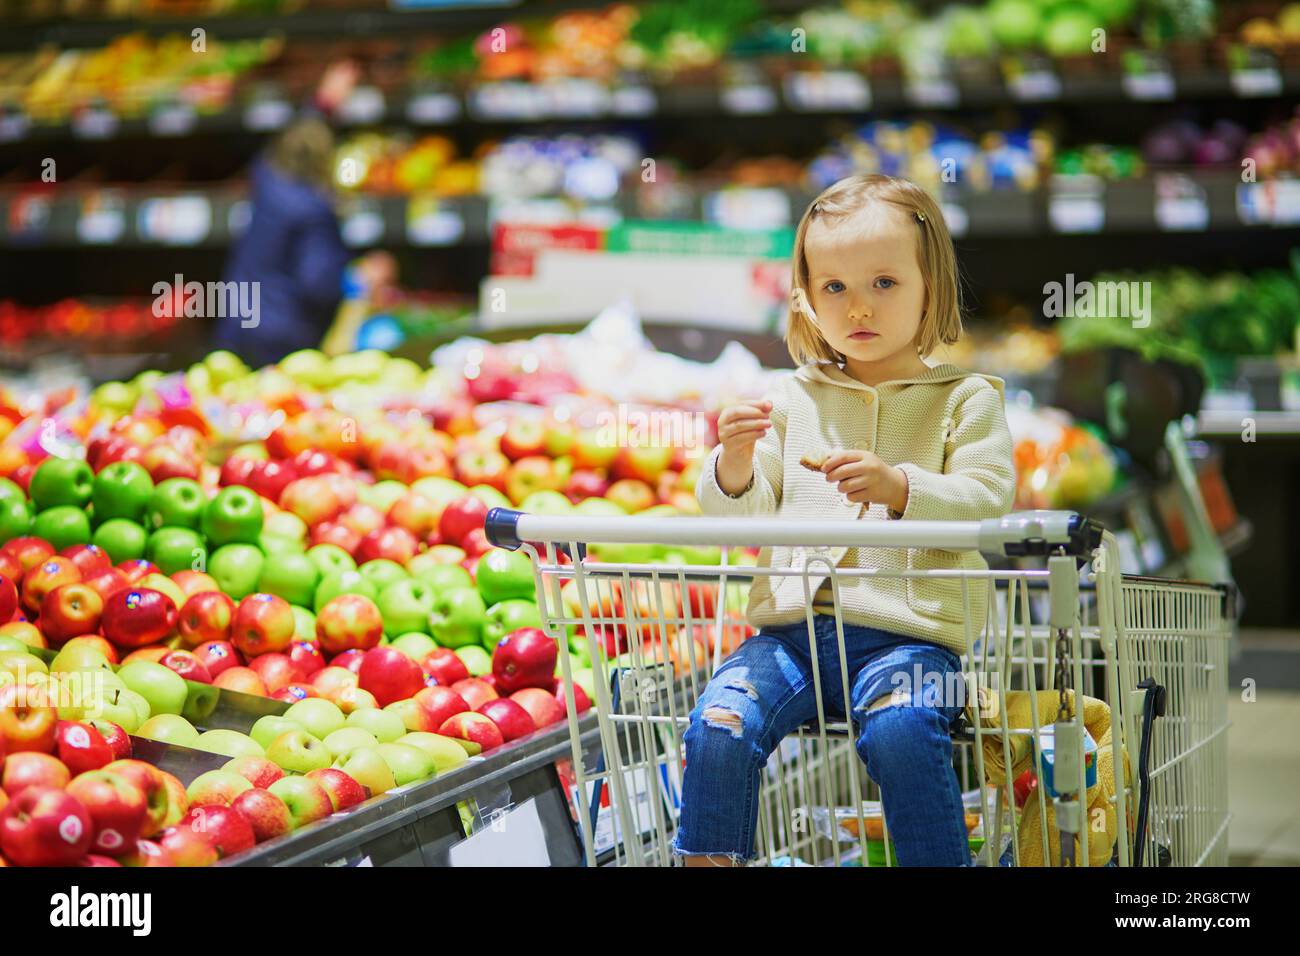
pixel 1183 143
pixel 1276 150
pixel 1059 464
pixel 399 164
pixel 74 319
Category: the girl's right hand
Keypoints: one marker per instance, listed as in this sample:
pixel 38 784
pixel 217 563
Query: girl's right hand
pixel 739 429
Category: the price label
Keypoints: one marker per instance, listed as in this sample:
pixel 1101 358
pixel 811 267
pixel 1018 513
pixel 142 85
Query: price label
pixel 173 119
pixel 1035 86
pixel 634 101
pixel 430 108
pixel 1256 81
pixel 427 224
pixel 957 218
pixel 13 127
pixel 827 91
pixel 94 123
pixel 265 115
pixel 932 92
pixel 364 227
pixel 1076 213
pixel 175 220
pixel 364 105
pixel 1149 87
pixel 1182 214
pixel 101 226
pixel 507 101
pixel 749 99
pixel 575 98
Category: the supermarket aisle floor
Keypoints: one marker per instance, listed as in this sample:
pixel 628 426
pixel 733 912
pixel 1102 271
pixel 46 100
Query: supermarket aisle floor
pixel 1264 779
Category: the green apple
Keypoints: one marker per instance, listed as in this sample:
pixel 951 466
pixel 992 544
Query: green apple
pixel 440 575
pixel 122 489
pixel 316 715
pixel 597 507
pixel 123 540
pixel 230 743
pixel 233 516
pixel 15 518
pixel 9 491
pixel 408 764
pixel 406 605
pixel 585 678
pixel 386 727
pixel 267 728
pixel 135 702
pixel 8 643
pixel 61 481
pixel 224 366
pixel 62 526
pixel 446 753
pixel 507 616
pixel 169 729
pixel 286 524
pixel 414 645
pixel 476 660
pixel 161 687
pixel 439 490
pixel 381 494
pixel 458 617
pixel 546 503
pixel 224 783
pixel 505 574
pixel 79 657
pixel 274 544
pixel 176 503
pixel 490 497
pixel 349 738
pixel 367 767
pixel 342 582
pixel 304 624
pixel 291 576
pixel 122 707
pixel 177 549
pixel 298 752
pixel 236 568
pixel 329 558
pixel 381 572
pixel 306 799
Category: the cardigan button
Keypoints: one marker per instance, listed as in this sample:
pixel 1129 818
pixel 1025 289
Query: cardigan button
pixel 868 397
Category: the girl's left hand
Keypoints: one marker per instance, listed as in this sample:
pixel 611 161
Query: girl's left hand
pixel 863 477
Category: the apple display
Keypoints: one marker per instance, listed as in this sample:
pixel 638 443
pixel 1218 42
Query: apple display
pixel 258 771
pixel 306 800
pixel 383 724
pixel 162 688
pixel 229 743
pixel 44 826
pixel 187 848
pixel 81 747
pixel 513 721
pixel 367 767
pixel 475 691
pixel 540 704
pixel 390 675
pixel 447 754
pixel 29 769
pixel 298 752
pixel 409 764
pixel 318 717
pixel 475 728
pixel 116 807
pixel 266 729
pixel 149 780
pixel 343 790
pixel 170 729
pixel 265 812
pixel 444 666
pixel 216 788
pixel 224 827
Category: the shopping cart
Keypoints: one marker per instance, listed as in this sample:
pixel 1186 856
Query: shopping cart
pixel 1152 651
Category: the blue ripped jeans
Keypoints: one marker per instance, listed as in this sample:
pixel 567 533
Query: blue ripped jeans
pixel 764 691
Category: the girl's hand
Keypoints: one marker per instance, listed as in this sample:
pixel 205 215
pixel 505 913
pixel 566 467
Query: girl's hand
pixel 864 478
pixel 740 427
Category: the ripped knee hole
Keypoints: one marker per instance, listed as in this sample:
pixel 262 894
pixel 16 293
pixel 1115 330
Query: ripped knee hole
pixel 723 718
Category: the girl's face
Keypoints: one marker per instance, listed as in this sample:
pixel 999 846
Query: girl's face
pixel 866 287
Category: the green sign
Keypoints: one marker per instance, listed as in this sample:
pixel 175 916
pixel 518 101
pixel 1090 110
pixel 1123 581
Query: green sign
pixel 686 238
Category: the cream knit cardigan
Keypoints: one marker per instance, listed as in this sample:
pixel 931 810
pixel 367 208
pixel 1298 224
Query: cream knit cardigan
pixel 945 428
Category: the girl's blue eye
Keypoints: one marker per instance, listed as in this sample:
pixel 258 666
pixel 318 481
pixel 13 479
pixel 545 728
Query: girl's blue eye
pixel 886 283
pixel 834 282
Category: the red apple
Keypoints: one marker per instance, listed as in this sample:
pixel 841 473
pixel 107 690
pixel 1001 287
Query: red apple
pixel 513 721
pixel 523 437
pixel 107 582
pixel 44 578
pixel 631 494
pixel 148 854
pixel 580 699
pixel 188 666
pixel 91 860
pixel 476 544
pixel 224 827
pixel 136 570
pixel 531 474
pixel 352 698
pixel 443 664
pixel 8 599
pixel 218 657
pixel 270 478
pixel 307 657
pixel 263 624
pixel 362 519
pixel 136 617
pixel 414 717
pixel 483 467
pixel 194 582
pixel 243 680
pixel 27 719
pixel 69 611
pixel 343 791
pixel 585 483
pixel 348 622
pixel 440 703
pixel 235 471
pixel 333 679
pixel 188 848
pixel 349 660
pixel 81 747
pixel 265 812
pixel 524 658
pixel 311 461
pixel 116 806
pixel 331 532
pixel 150 781
pixel 258 771
pixel 390 675
pixel 206 617
pixel 475 691
pixel 28 551
pixel 118 740
pixel 460 518
pixel 29 769
pixel 473 727
pixel 276 671
pixel 540 704
pixel 91 560
pixel 43 826
pixel 393 543
pixel 416 514
pixel 314 499
pixel 292 693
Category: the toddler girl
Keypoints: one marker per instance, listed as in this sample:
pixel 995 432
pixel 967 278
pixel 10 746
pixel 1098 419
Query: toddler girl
pixel 894 438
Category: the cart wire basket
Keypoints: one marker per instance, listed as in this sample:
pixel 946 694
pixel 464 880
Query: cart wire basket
pixel 1138 778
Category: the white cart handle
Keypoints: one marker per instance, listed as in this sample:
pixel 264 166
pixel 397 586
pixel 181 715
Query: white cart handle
pixel 1019 533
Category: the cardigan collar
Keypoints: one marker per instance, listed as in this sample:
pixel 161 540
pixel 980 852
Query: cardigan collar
pixel 829 373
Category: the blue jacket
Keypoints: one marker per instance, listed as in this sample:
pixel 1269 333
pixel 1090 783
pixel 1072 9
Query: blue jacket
pixel 293 248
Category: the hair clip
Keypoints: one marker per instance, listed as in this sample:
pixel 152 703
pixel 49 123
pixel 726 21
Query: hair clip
pixel 920 216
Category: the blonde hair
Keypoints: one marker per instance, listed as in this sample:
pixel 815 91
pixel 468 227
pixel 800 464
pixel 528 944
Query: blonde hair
pixel 941 322
pixel 304 150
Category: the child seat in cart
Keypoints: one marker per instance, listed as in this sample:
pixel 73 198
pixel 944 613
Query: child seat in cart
pixel 1095 722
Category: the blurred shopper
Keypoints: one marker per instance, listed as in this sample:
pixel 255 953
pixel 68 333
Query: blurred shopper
pixel 293 246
